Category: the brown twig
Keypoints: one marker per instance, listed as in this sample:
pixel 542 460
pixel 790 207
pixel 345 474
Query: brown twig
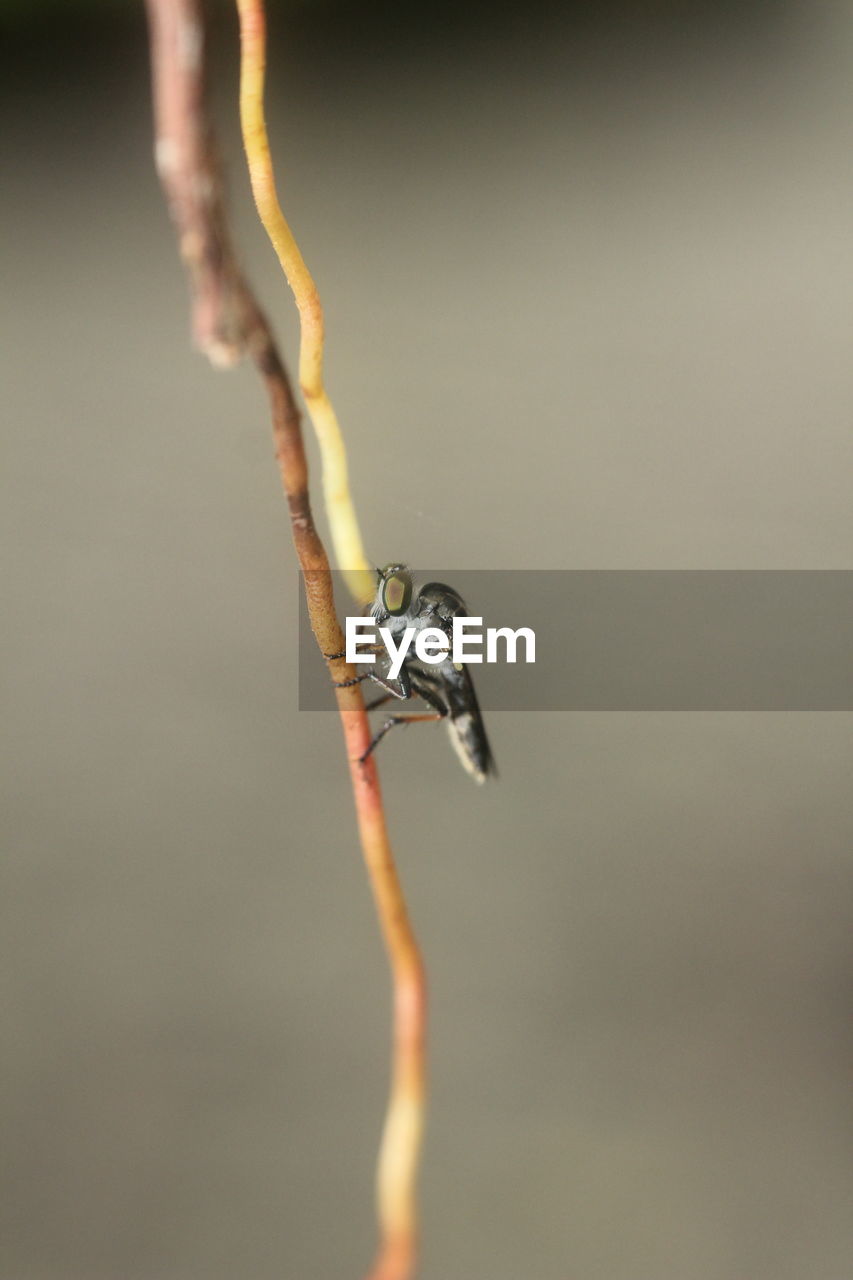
pixel 227 322
pixel 187 166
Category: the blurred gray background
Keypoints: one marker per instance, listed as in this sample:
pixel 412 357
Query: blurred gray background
pixel 588 277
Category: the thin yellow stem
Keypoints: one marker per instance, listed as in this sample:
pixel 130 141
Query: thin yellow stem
pixel 343 523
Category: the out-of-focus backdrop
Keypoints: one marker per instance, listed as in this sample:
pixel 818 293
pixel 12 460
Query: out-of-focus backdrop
pixel 588 277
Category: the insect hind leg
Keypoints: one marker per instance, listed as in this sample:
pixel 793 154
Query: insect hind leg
pixel 395 720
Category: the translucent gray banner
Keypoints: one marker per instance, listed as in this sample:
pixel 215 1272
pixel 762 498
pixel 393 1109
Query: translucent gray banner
pixel 647 640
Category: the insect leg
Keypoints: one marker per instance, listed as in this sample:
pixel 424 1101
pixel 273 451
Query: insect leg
pixel 389 725
pixel 430 696
pixel 365 648
pixel 378 702
pixel 346 684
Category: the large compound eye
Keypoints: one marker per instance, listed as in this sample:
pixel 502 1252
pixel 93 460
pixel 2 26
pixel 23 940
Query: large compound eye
pixel 397 591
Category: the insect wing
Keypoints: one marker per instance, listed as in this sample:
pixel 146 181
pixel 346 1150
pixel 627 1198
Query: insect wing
pixel 456 700
pixel 466 728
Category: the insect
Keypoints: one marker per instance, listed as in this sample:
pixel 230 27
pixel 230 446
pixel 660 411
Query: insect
pixel 446 687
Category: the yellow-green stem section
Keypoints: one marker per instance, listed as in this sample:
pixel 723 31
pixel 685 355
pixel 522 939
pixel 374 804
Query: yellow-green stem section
pixel 343 523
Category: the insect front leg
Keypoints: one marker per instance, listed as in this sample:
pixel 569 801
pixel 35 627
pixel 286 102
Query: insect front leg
pixel 365 675
pixel 347 684
pixel 365 648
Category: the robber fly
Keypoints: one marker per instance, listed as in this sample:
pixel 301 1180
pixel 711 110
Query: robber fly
pixel 446 687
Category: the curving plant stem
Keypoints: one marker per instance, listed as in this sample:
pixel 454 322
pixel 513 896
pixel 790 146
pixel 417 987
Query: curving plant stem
pixel 227 323
pixel 346 536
